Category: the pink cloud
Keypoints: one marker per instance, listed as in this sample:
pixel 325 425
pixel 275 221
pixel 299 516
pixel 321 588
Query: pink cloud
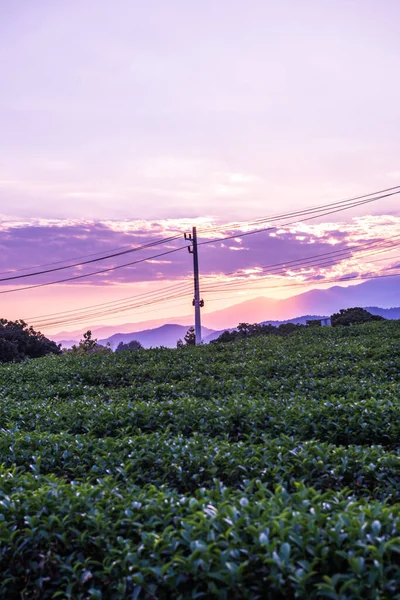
pixel 27 244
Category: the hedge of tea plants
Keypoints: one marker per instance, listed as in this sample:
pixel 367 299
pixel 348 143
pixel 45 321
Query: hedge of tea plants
pixel 264 468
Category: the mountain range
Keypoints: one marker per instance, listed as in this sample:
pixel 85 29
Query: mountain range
pixel 166 335
pixel 378 295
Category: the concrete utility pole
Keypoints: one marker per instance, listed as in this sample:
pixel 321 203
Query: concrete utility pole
pixel 197 303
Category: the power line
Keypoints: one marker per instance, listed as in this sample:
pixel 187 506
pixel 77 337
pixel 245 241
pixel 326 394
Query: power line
pixel 308 218
pixel 159 295
pixel 121 251
pixel 30 287
pixel 117 316
pixel 335 280
pixel 149 299
pixel 98 314
pixel 297 283
pixel 111 302
pixel 244 284
pixel 307 210
pixel 382 245
pixel 317 282
pixel 59 262
pixel 103 309
pixel 94 260
pixel 344 205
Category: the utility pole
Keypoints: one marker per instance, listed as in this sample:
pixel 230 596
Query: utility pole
pixel 197 303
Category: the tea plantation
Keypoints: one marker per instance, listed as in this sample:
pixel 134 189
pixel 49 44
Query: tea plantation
pixel 265 468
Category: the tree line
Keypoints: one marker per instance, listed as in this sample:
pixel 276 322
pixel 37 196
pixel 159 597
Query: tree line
pixel 18 341
pixel 344 318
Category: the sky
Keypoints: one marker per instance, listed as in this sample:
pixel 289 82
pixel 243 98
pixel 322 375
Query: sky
pixel 124 121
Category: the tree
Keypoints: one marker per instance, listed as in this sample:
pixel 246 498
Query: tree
pixel 188 340
pixel 288 328
pixel 190 337
pixel 18 341
pixel 8 351
pixel 132 345
pixel 88 345
pixel 314 323
pixel 352 316
pixel 226 336
pixel 245 330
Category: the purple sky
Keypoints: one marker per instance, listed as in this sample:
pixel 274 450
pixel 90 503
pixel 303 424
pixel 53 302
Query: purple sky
pixel 181 110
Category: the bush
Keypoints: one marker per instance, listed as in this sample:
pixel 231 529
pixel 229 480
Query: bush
pixel 132 345
pixel 247 330
pixel 82 541
pixel 268 468
pixel 88 345
pixel 353 316
pixel 18 341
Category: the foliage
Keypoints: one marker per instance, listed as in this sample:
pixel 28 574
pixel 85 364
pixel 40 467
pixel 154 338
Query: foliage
pixel 189 339
pixel 132 345
pixel 246 330
pixel 18 341
pixel 345 317
pixel 268 468
pixel 178 461
pixel 123 541
pixel 88 345
pixel 314 323
pixel 352 316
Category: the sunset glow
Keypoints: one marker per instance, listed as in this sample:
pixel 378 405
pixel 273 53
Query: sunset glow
pixel 124 123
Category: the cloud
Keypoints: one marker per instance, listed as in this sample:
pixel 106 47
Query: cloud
pixel 297 252
pixel 164 185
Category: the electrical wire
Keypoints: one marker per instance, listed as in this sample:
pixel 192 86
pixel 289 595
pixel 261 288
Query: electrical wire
pixel 344 205
pixel 158 296
pixel 59 262
pixel 335 255
pixel 307 210
pixel 120 250
pixel 111 302
pixel 341 254
pixel 154 297
pixel 297 283
pixel 244 283
pixel 30 287
pixel 135 302
pixel 112 312
pixel 308 218
pixel 126 303
pixel 94 260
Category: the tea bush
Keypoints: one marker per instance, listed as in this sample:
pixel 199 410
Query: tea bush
pixel 265 468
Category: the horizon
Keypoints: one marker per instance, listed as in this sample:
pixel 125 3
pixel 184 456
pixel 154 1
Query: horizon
pixel 146 120
pixel 258 310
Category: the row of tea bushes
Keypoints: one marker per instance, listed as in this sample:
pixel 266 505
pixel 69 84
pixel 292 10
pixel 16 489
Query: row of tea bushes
pixel 108 541
pixel 113 471
pixel 189 463
pixel 336 420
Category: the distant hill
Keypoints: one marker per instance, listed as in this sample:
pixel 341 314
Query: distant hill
pixel 297 320
pixel 166 335
pixel 376 295
pixel 105 331
pixel 386 313
pixel 383 293
pixel 67 343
